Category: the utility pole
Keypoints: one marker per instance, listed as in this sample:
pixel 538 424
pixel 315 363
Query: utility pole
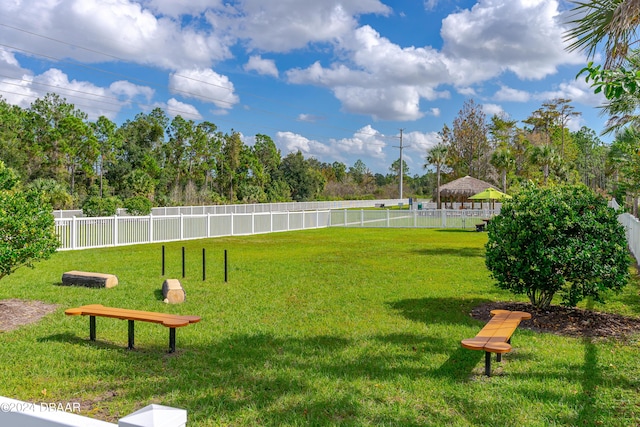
pixel 400 172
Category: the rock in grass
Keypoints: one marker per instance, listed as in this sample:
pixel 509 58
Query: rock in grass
pixel 90 280
pixel 173 292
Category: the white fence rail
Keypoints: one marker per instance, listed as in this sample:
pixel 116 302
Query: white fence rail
pixel 84 233
pixel 415 218
pixel 57 414
pixel 632 228
pixel 250 208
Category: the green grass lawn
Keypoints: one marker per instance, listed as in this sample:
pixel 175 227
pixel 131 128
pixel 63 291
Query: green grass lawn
pixel 323 327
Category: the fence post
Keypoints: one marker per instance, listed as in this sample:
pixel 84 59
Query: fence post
pixel 443 213
pixel 361 217
pixel 253 223
pixel 115 230
pixel 208 224
pixel 74 232
pixel 388 219
pixel 415 218
pixel 181 226
pixel 231 223
pixel 345 217
pixel 150 227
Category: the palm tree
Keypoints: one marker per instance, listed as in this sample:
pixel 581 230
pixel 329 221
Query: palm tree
pixel 437 156
pixel 611 21
pixel 503 161
pixel 546 157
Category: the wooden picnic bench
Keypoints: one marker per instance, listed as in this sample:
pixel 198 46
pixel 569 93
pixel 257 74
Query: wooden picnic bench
pixel 171 321
pixel 495 337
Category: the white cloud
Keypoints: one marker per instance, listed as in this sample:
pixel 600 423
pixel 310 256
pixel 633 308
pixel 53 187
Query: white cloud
pixel 430 4
pixel 285 25
pixel 266 67
pixel 130 90
pixel 205 85
pixel 114 29
pixel 522 36
pixel 577 91
pixel 187 111
pixel 492 110
pixel 290 142
pixel 510 94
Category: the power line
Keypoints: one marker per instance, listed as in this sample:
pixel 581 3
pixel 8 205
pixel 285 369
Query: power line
pixel 186 93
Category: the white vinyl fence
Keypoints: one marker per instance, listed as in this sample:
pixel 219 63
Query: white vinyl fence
pixel 251 208
pixel 415 218
pixel 64 414
pixel 632 228
pixel 83 233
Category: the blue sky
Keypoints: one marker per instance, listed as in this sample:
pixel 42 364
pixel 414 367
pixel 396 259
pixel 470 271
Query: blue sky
pixel 335 79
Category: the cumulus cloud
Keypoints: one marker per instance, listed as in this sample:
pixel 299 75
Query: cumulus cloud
pixel 266 67
pixel 115 30
pixel 510 94
pixel 285 25
pixel 204 85
pixel 366 142
pixel 187 111
pixel 492 110
pixel 576 90
pixel 522 36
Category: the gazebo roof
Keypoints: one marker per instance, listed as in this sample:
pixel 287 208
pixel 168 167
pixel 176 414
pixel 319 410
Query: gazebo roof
pixel 464 187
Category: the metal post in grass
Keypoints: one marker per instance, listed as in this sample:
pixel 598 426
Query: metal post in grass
pixel 163 260
pixel 225 266
pixel 204 269
pixel 183 262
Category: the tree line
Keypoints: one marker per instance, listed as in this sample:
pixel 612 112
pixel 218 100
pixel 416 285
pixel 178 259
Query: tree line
pixel 156 160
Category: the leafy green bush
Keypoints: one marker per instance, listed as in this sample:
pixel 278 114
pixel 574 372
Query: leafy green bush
pixel 561 239
pixel 27 230
pixel 138 205
pixel 100 206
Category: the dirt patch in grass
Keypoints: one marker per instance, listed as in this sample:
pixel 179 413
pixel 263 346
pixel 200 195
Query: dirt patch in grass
pixel 16 312
pixel 559 320
pixel 573 322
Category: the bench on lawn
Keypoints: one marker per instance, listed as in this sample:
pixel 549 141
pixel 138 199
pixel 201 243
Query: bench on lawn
pixel 480 227
pixel 379 205
pixel 495 337
pixel 171 321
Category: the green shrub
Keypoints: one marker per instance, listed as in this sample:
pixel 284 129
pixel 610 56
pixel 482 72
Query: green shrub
pixel 100 206
pixel 138 205
pixel 561 239
pixel 27 230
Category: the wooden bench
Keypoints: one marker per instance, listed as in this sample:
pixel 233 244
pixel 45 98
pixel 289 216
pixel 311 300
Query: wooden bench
pixel 480 227
pixel 495 337
pixel 171 321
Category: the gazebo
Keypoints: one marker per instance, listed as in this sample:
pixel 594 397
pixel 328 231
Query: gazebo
pixel 462 188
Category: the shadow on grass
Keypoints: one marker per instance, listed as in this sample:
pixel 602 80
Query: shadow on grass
pixel 69 338
pixel 470 252
pixel 438 310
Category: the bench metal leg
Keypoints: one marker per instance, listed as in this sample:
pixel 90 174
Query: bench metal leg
pixel 131 335
pixel 92 328
pixel 498 357
pixel 172 340
pixel 487 363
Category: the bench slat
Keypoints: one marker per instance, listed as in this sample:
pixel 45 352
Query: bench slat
pixel 168 320
pixel 171 321
pixel 495 336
